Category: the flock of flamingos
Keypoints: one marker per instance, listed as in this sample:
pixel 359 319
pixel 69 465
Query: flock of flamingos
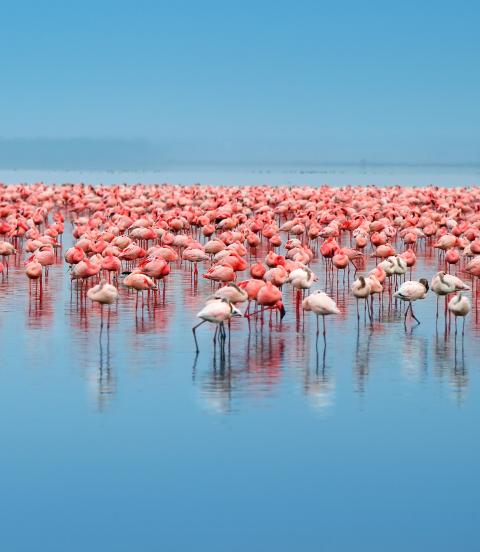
pixel 253 243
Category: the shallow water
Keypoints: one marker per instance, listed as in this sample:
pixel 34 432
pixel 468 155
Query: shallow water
pixel 126 440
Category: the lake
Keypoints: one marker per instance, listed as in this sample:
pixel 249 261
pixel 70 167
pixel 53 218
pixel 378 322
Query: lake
pixel 129 441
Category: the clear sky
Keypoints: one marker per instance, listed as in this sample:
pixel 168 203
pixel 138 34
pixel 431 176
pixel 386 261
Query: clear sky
pixel 243 81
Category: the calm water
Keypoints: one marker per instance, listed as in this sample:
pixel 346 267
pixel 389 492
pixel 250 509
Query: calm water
pixel 237 175
pixel 128 442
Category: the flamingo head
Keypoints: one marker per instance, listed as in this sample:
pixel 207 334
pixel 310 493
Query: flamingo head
pixel 424 283
pixel 233 309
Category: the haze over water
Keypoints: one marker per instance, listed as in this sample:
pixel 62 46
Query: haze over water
pixel 288 174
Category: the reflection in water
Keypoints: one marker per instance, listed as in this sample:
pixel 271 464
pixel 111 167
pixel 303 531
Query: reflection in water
pixel 319 386
pixel 459 374
pixel 256 374
pixel 264 356
pixel 362 359
pixel 218 387
pixel 450 363
pixel 40 309
pixel 102 384
pixel 414 355
pixel 229 376
pixel 260 359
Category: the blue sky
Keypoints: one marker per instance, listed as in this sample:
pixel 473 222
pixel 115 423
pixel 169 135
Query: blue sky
pixel 262 81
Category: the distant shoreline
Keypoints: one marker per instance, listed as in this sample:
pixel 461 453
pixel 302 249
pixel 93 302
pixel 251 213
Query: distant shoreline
pixel 289 175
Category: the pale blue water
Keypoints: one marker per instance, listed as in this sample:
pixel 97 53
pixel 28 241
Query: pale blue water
pixel 132 443
pixel 274 175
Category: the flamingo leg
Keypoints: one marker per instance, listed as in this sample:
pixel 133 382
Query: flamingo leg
pixel 406 312
pixel 194 329
pixel 257 312
pixel 101 322
pixel 413 316
pixel 367 306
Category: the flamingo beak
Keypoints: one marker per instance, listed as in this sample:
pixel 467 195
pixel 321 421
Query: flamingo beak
pixel 282 311
pixel 236 312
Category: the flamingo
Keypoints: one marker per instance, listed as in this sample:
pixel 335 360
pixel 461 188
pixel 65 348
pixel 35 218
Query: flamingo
pixel 150 227
pixel 321 305
pixel 269 297
pixel 103 293
pixel 220 274
pixel 302 278
pixel 252 288
pixel 443 284
pixel 459 306
pixel 410 291
pixel 232 293
pixel 361 290
pixel 6 249
pixel 140 282
pixel 216 312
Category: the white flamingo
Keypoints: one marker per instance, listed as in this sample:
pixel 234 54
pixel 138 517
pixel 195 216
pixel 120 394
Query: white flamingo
pixel 361 289
pixel 410 291
pixel 104 294
pixel 459 306
pixel 216 312
pixel 322 305
pixel 443 284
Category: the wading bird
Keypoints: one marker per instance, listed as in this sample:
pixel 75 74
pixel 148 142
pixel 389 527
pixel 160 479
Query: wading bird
pixel 216 312
pixel 321 305
pixel 410 291
pixel 459 306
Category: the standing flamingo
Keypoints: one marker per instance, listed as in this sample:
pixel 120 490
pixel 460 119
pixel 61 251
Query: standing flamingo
pixel 410 291
pixel 216 312
pixel 321 305
pixel 459 306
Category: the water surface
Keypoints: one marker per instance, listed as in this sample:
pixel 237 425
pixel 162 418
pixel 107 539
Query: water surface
pixel 128 441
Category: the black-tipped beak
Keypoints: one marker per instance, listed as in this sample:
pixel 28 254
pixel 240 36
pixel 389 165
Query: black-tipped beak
pixel 282 312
